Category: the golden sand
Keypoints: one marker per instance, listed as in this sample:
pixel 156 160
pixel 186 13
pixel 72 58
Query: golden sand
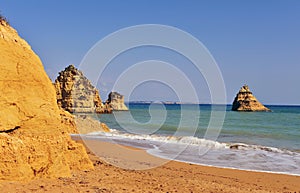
pixel 172 176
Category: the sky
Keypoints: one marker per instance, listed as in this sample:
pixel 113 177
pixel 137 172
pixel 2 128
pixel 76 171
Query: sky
pixel 253 42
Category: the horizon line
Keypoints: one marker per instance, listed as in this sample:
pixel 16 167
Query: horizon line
pixel 178 102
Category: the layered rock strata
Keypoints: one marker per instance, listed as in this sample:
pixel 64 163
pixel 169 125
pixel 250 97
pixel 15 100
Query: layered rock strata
pixel 246 101
pixel 76 94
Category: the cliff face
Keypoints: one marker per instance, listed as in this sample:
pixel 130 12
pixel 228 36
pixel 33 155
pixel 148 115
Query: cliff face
pixel 76 94
pixel 34 139
pixel 116 101
pixel 246 101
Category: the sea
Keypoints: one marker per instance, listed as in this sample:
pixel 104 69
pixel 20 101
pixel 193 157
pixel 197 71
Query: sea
pixel 211 135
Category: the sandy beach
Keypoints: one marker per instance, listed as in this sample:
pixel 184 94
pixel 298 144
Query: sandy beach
pixel 110 96
pixel 172 176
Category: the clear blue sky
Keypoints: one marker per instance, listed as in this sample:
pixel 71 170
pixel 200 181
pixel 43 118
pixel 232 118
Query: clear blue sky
pixel 253 42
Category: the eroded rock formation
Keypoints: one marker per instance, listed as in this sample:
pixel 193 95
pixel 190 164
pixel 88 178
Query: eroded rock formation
pixel 76 94
pixel 34 138
pixel 246 101
pixel 116 100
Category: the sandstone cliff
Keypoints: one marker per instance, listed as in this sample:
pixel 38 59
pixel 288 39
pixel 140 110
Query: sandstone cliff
pixel 246 101
pixel 116 101
pixel 76 94
pixel 34 139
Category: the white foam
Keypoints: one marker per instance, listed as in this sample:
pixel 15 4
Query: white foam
pixel 189 140
pixel 224 167
pixel 239 156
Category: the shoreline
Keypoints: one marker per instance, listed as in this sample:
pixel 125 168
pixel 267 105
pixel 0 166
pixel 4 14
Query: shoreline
pixel 171 176
pixel 195 163
pixel 230 168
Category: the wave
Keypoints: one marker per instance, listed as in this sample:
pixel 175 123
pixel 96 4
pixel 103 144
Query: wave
pixel 191 140
pixel 228 167
pixel 224 155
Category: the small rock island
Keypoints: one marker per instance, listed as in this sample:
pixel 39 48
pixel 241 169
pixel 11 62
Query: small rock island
pixel 76 94
pixel 116 101
pixel 246 101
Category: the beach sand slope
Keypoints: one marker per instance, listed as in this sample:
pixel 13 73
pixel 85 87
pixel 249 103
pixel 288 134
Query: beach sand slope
pixel 171 177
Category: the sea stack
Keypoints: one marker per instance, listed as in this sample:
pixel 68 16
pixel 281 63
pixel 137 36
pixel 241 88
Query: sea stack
pixel 76 94
pixel 116 101
pixel 246 101
pixel 34 132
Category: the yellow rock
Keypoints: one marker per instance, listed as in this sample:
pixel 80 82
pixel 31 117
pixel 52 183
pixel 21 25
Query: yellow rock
pixel 116 100
pixel 34 132
pixel 76 94
pixel 246 101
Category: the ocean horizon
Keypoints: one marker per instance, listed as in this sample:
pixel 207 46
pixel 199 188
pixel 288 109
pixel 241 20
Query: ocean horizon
pixel 194 103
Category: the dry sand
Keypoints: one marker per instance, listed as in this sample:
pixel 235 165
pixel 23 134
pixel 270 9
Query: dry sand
pixel 172 176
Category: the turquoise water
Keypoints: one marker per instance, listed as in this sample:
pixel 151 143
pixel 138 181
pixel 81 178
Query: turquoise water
pixel 279 128
pixel 263 141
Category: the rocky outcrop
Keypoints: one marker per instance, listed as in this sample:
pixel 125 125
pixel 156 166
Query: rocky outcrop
pixel 34 138
pixel 116 101
pixel 76 94
pixel 245 101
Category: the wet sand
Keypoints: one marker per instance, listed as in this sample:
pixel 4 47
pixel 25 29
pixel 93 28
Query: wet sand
pixel 165 176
